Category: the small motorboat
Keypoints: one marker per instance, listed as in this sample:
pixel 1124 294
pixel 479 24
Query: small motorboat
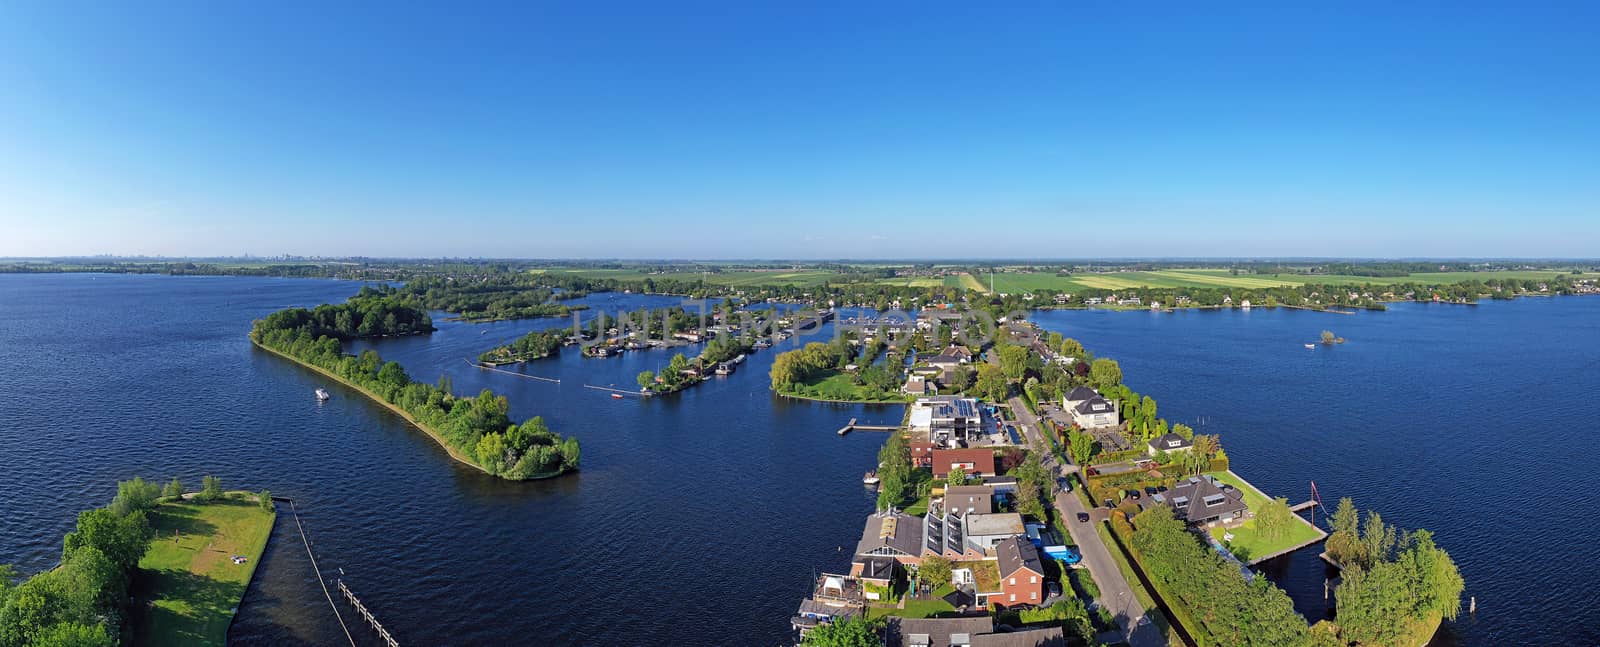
pixel 616 396
pixel 1311 346
pixel 322 395
pixel 871 478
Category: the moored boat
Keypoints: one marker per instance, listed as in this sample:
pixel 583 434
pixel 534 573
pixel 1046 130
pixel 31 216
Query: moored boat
pixel 871 478
pixel 322 395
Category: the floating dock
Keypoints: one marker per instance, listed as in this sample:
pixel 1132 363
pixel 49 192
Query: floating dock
pixel 852 426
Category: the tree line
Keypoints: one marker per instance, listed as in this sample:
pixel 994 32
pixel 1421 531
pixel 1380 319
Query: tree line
pixel 480 428
pixel 374 312
pixel 1396 584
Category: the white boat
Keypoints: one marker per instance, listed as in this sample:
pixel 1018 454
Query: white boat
pixel 1311 346
pixel 322 395
pixel 871 478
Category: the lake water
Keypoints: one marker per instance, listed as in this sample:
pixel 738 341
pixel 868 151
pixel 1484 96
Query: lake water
pixel 698 519
pixel 1474 422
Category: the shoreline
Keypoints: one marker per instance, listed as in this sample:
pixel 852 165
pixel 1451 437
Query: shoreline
pixel 454 453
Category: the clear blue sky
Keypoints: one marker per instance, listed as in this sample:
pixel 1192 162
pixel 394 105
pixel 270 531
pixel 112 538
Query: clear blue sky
pixel 740 130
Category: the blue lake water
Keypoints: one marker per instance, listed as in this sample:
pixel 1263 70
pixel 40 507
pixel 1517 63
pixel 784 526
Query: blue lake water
pixel 699 518
pixel 1474 422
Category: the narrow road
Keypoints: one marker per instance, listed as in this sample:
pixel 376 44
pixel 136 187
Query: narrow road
pixel 1115 594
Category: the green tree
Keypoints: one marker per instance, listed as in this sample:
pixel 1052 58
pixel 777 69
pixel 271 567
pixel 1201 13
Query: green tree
pixel 135 495
pixel 1081 445
pixel 1105 374
pixel 646 379
pixel 210 489
pixel 852 632
pixel 264 499
pixel 173 490
pixel 1013 361
pixel 1274 519
pixel 956 478
pixel 935 571
pixel 991 384
pixel 74 634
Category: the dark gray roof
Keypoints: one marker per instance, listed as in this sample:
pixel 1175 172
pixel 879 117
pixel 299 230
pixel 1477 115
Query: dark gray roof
pixel 980 498
pixel 1164 442
pixel 1016 553
pixel 1199 498
pixel 1094 405
pixel 1040 637
pixel 934 632
pixel 1081 393
pixel 877 568
pixel 906 538
pixel 944 359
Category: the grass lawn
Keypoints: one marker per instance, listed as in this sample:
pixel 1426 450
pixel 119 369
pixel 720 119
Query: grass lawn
pixel 192 584
pixel 1248 543
pixel 918 608
pixel 837 385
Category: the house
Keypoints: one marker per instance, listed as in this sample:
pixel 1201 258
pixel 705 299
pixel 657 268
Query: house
pixel 1021 572
pixel 966 631
pixel 689 336
pixel 1203 501
pixel 985 531
pixel 835 597
pixel 892 534
pixel 974 462
pixel 959 352
pixel 945 418
pixel 1088 409
pixel 946 535
pixel 969 499
pixel 944 362
pixel 917 385
pixel 1169 442
pixel 921 453
pixel 877 571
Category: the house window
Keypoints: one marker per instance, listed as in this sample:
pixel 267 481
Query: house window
pixel 1033 596
pixel 1013 597
pixel 1013 580
pixel 1033 579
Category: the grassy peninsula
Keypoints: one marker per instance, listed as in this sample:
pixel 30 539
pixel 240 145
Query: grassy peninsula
pixel 189 574
pixel 477 431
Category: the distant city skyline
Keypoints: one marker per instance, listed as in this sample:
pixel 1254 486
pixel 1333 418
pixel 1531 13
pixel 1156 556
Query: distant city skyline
pixel 799 133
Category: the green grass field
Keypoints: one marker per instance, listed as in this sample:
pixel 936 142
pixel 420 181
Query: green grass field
pixel 1247 543
pixel 838 386
pixel 189 577
pixel 734 278
pixel 1011 282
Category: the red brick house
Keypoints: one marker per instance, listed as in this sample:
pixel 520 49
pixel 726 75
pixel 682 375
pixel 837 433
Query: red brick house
pixel 1021 573
pixel 975 462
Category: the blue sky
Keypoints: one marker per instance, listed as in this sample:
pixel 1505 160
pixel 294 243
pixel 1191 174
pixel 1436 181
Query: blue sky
pixel 745 130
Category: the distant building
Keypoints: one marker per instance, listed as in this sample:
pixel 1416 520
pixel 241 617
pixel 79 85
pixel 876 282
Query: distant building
pixel 835 598
pixel 967 631
pixel 945 418
pixel 892 534
pixel 917 385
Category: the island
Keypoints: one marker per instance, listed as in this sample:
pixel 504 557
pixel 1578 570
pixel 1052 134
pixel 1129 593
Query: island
pixel 475 431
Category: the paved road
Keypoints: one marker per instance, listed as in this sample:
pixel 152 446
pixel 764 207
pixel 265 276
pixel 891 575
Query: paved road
pixel 1115 594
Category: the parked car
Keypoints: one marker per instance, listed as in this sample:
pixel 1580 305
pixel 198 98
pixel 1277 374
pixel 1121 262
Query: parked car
pixel 1151 490
pixel 1083 517
pixel 1134 494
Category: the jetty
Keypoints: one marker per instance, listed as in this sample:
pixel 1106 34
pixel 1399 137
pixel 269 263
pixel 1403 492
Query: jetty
pixel 367 615
pixel 637 394
pixel 492 369
pixel 852 426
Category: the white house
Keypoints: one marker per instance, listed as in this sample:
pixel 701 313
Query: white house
pixel 1170 442
pixel 1089 410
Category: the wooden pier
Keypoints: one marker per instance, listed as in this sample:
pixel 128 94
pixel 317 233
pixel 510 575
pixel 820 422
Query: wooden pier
pixel 367 615
pixel 852 426
pixel 511 373
pixel 637 394
pixel 1305 505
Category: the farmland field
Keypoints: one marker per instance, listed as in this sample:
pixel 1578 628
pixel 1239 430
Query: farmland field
pixel 1010 282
